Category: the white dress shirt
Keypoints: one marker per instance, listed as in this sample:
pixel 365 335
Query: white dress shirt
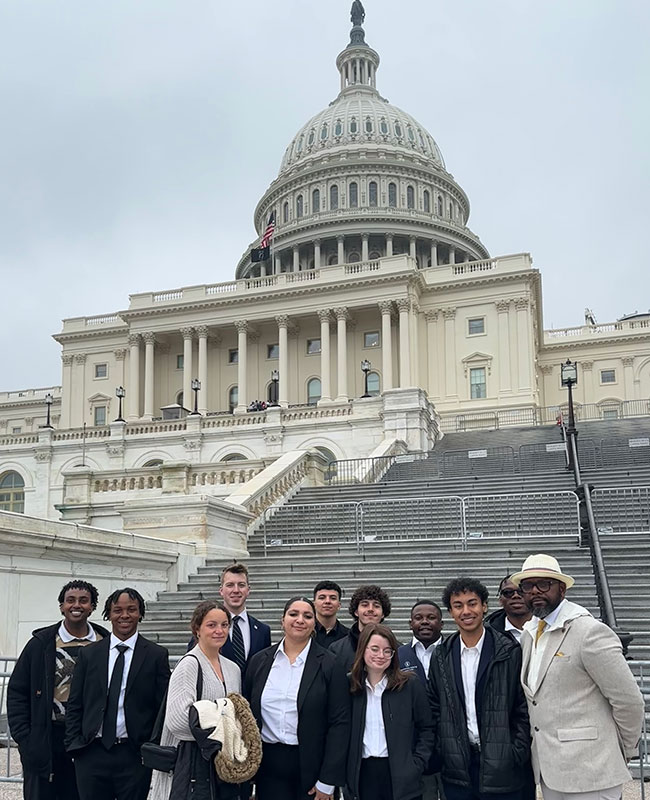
pixel 245 628
pixel 113 653
pixel 374 733
pixel 65 635
pixel 553 621
pixel 424 653
pixel 279 702
pixel 469 661
pixel 516 632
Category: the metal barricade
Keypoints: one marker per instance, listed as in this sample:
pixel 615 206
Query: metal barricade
pixel 413 518
pixel 311 524
pixel 623 452
pixel 485 461
pixel 641 671
pixel 9 762
pixel 533 514
pixel 623 509
pixel 553 456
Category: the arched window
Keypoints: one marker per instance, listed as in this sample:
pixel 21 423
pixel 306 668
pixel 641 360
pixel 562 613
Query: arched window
pixel 439 209
pixel 354 195
pixel 354 257
pixel 300 143
pixel 155 462
pixel 233 398
pixel 234 457
pixel 383 126
pixel 410 197
pixel 334 197
pixel 299 206
pixel 368 124
pixel 353 125
pixel 315 201
pixel 338 128
pixel 313 391
pixel 398 130
pixel 372 194
pixel 285 212
pixel 426 200
pixel 332 260
pixel 12 493
pixel 392 195
pixel 179 399
pixel 373 384
pixel 323 132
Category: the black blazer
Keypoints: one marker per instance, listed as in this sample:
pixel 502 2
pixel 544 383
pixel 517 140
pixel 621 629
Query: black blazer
pixel 145 689
pixel 323 713
pixel 260 639
pixel 409 661
pixel 409 736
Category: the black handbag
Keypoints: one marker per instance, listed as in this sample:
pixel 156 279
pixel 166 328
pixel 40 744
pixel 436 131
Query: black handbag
pixel 163 757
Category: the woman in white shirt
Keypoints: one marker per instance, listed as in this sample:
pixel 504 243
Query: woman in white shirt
pixel 210 626
pixel 299 697
pixel 392 730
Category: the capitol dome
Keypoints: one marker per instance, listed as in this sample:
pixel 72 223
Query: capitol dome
pixel 362 180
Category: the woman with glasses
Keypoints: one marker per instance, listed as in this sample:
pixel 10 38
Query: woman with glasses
pixel 392 730
pixel 299 697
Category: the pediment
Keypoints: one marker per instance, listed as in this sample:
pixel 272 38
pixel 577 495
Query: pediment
pixel 477 359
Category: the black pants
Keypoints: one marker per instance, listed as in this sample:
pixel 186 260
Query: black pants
pixel 115 774
pixel 63 785
pixel 278 777
pixel 375 780
pixel 455 792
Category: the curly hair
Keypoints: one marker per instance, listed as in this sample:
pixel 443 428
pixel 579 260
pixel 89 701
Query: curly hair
pixel 84 586
pixel 394 675
pixel 370 592
pixel 133 594
pixel 464 584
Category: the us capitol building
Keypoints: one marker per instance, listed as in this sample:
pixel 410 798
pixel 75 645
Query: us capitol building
pixel 379 322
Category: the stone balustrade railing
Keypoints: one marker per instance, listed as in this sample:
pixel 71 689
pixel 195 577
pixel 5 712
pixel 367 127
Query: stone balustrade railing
pixel 640 325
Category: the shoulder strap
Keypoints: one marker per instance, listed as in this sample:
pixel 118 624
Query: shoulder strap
pixel 199 677
pixel 156 733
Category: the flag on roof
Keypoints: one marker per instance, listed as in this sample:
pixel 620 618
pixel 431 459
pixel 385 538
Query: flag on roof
pixel 263 252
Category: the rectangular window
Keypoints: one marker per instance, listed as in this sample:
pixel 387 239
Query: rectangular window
pixel 273 351
pixel 313 346
pixel 180 361
pixel 99 414
pixel 16 430
pixel 371 339
pixel 233 356
pixel 478 388
pixel 610 413
pixel 475 326
pixel 608 376
pixel 101 370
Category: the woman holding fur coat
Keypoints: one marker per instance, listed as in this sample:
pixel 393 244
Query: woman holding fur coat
pixel 195 774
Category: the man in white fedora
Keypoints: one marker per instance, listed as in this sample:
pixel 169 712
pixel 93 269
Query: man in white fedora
pixel 585 707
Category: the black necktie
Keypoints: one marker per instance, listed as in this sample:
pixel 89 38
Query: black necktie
pixel 109 728
pixel 238 644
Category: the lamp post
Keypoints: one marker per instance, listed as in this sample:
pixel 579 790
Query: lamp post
pixel 196 388
pixel 365 368
pixel 48 402
pixel 275 377
pixel 569 372
pixel 120 394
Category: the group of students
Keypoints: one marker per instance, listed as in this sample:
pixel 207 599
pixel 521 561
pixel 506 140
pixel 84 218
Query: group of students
pixel 339 711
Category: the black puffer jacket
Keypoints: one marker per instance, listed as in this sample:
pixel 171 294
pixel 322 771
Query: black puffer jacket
pixel 501 709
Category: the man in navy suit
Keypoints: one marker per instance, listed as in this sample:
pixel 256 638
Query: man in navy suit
pixel 426 624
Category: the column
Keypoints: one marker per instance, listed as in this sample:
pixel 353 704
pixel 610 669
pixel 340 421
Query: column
pixel 283 360
pixel 628 372
pixel 523 341
pixel 325 361
pixel 316 253
pixel 451 387
pixel 340 243
pixel 79 383
pixel 66 391
pixel 364 246
pixel 263 269
pixel 202 333
pixel 133 390
pixel 452 254
pixel 342 353
pixel 404 307
pixel 149 349
pixel 414 333
pixel 242 366
pixel 431 317
pixel 296 259
pixel 412 247
pixel 587 382
pixel 389 244
pixel 386 308
pixel 434 253
pixel 186 333
pixel 505 384
pixel 278 264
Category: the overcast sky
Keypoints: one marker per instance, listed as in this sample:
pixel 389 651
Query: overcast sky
pixel 138 135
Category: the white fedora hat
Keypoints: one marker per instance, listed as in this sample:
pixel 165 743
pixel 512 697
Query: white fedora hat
pixel 541 566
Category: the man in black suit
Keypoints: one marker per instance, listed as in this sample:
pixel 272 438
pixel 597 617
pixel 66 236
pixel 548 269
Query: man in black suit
pixel 327 599
pixel 117 689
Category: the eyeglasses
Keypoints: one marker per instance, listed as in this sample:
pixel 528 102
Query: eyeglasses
pixel 511 593
pixel 542 585
pixel 386 652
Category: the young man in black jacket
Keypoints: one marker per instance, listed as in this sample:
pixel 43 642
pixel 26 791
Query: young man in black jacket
pixel 479 709
pixel 327 599
pixel 38 692
pixel 368 604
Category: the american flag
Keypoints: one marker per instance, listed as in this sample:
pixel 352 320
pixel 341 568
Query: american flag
pixel 268 233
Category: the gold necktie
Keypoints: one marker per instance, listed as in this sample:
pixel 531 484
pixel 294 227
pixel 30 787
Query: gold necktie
pixel 541 626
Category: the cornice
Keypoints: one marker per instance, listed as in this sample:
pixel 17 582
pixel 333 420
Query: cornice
pixel 92 333
pixel 581 344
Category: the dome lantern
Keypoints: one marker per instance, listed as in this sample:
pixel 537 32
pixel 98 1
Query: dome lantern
pixel 358 63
